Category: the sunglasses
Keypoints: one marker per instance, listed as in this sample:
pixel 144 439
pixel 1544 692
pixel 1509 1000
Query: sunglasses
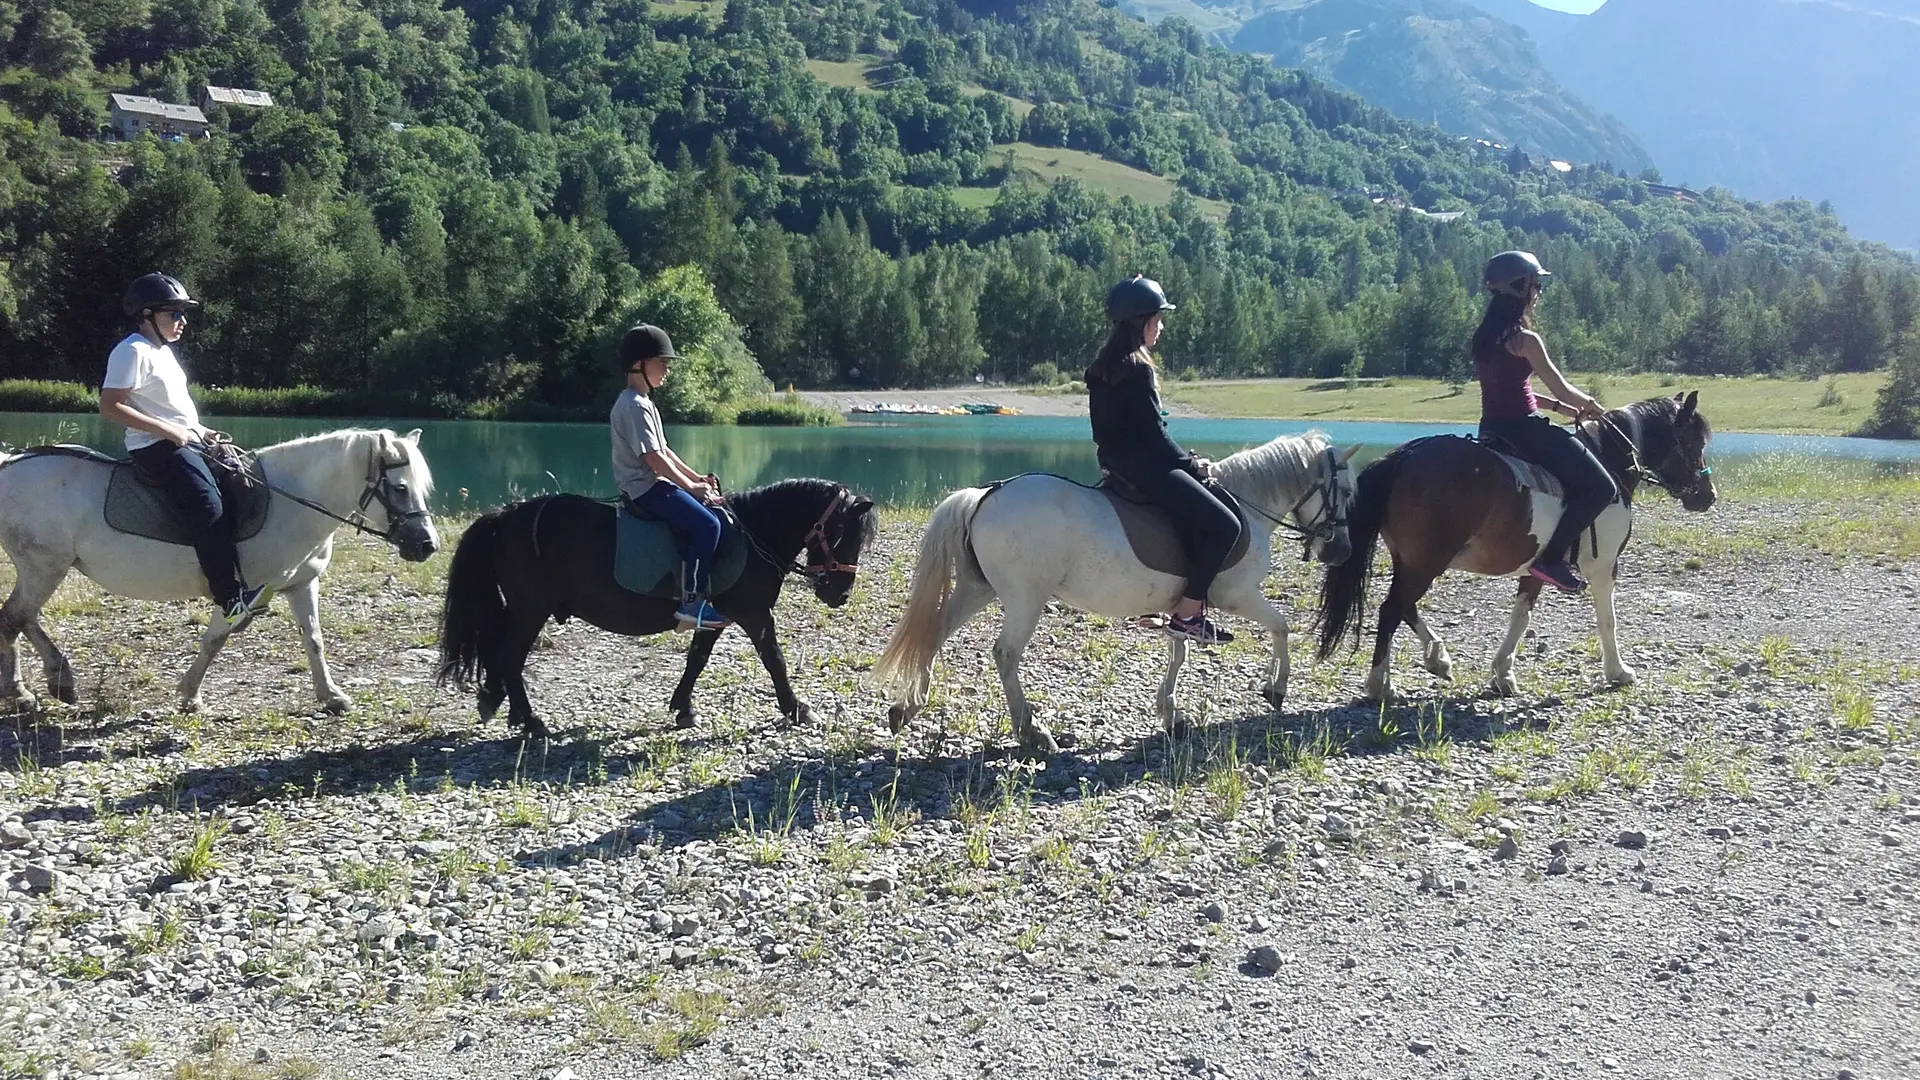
pixel 172 316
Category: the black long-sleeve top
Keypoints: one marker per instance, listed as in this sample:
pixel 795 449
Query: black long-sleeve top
pixel 1128 430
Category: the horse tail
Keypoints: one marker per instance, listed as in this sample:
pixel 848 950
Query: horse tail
pixel 1343 593
pixel 946 550
pixel 474 608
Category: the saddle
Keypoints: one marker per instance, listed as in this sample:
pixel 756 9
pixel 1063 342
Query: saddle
pixel 1156 542
pixel 138 506
pixel 648 554
pixel 1527 474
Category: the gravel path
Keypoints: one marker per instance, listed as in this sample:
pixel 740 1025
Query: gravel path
pixel 1712 874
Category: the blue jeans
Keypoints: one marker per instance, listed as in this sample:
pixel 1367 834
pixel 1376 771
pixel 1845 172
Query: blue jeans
pixel 690 517
pixel 1590 487
pixel 198 493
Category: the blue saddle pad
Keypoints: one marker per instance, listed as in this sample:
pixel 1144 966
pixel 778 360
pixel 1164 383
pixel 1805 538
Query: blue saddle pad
pixel 646 556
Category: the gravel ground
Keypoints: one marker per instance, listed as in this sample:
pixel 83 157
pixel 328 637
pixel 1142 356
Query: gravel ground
pixel 1709 875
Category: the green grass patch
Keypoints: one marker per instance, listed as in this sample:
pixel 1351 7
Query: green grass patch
pixel 788 411
pixel 1775 406
pixel 849 73
pixel 1050 163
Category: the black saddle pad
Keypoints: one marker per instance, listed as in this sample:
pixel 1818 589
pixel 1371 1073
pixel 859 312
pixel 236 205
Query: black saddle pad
pixel 140 508
pixel 1157 540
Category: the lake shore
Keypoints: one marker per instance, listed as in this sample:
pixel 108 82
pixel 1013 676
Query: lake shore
pixel 1834 406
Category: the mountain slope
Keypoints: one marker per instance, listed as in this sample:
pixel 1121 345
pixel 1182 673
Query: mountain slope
pixel 1701 82
pixel 1446 62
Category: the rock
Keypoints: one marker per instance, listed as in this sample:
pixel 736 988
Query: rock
pixel 1719 832
pixel 1891 839
pixel 1560 847
pixel 376 930
pixel 1258 924
pixel 1266 958
pixel 39 879
pixel 1557 865
pixel 1632 838
pixel 564 1074
pixel 1117 933
pixel 1038 997
pixel 1509 848
pixel 1339 829
pixel 14 835
pixel 681 956
pixel 1743 669
pixel 464 1040
pixel 1420 1046
pixel 1215 912
pixel 685 926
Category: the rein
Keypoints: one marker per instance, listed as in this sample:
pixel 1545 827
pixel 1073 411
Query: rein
pixel 1323 526
pixel 226 454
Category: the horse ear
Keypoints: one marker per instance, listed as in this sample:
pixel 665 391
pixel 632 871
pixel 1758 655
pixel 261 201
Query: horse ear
pixel 1688 402
pixel 413 436
pixel 862 504
pixel 1351 450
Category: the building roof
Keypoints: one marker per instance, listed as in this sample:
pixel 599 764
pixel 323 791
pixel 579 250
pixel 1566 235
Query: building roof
pixel 146 106
pixel 227 95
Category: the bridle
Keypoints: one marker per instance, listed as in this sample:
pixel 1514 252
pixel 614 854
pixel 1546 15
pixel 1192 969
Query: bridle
pixel 1329 521
pixel 1637 470
pixel 221 450
pixel 821 559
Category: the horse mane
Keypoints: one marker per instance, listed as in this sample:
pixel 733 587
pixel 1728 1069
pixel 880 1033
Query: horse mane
pixel 422 474
pixel 799 501
pixel 1285 463
pixel 1667 411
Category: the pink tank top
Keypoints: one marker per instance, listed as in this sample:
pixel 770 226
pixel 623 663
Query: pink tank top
pixel 1506 384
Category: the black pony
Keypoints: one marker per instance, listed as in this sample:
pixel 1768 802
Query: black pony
pixel 552 557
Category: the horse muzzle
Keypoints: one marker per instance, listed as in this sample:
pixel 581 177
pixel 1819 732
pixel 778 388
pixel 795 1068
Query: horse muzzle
pixel 1337 551
pixel 417 545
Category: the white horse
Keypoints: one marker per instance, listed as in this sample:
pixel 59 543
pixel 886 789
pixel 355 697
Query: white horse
pixel 52 520
pixel 1038 537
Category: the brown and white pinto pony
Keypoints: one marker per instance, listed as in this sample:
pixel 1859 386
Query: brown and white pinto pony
pixel 1450 503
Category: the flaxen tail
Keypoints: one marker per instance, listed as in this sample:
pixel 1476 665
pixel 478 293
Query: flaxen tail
pixel 946 550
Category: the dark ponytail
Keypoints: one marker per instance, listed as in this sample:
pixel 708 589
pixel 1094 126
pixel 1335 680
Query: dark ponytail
pixel 1505 316
pixel 1124 351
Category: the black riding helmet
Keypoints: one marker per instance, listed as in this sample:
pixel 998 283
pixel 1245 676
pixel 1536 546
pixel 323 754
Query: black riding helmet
pixel 1135 298
pixel 1507 270
pixel 644 342
pixel 156 292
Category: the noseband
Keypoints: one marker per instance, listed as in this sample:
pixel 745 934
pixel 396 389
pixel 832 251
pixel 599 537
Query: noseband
pixel 1637 470
pixel 820 556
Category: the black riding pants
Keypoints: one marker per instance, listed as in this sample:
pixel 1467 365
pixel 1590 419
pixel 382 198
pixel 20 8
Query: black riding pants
pixel 1209 528
pixel 190 482
pixel 1590 488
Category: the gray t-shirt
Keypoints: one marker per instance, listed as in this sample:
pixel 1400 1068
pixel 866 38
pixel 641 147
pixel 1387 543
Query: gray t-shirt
pixel 636 433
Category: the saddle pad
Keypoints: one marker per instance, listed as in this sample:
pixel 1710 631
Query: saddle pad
pixel 142 509
pixel 646 556
pixel 1157 544
pixel 1529 475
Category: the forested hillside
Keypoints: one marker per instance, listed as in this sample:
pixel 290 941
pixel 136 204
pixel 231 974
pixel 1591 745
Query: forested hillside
pixel 462 204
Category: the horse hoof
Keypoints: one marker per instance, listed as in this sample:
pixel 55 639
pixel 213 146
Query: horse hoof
pixel 489 708
pixel 799 714
pixel 896 719
pixel 1504 686
pixel 191 705
pixel 21 703
pixel 532 727
pixel 337 704
pixel 1623 677
pixel 1441 669
pixel 63 691
pixel 1276 696
pixel 684 718
pixel 1039 741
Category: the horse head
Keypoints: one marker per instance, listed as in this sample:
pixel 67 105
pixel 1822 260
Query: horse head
pixel 1671 435
pixel 846 528
pixel 400 484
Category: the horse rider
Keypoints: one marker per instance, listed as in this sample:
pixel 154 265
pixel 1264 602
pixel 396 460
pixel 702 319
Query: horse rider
pixel 1130 435
pixel 1507 353
pixel 145 391
pixel 652 478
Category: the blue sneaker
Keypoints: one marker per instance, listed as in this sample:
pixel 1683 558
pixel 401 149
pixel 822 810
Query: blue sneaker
pixel 697 614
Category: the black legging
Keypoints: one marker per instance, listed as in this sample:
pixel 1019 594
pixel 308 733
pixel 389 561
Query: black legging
pixel 1590 487
pixel 1209 528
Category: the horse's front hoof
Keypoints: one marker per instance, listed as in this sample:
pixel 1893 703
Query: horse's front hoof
pixel 896 719
pixel 1276 696
pixel 531 727
pixel 1039 741
pixel 21 703
pixel 1441 669
pixel 1623 677
pixel 336 704
pixel 489 706
pixel 684 718
pixel 1505 686
pixel 63 690
pixel 192 704
pixel 799 714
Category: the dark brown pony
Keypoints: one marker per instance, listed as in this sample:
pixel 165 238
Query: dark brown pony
pixel 1451 503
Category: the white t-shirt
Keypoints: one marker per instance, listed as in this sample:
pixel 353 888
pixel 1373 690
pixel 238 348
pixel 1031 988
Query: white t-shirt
pixel 155 383
pixel 636 433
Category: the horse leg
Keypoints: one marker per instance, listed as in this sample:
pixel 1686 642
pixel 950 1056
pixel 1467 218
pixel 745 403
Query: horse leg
pixel 697 653
pixel 969 598
pixel 1015 631
pixel 1523 601
pixel 1171 721
pixel 759 628
pixel 1253 604
pixel 509 660
pixel 1392 610
pixel 211 642
pixel 1602 584
pixel 21 613
pixel 60 679
pixel 303 602
pixel 1436 658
